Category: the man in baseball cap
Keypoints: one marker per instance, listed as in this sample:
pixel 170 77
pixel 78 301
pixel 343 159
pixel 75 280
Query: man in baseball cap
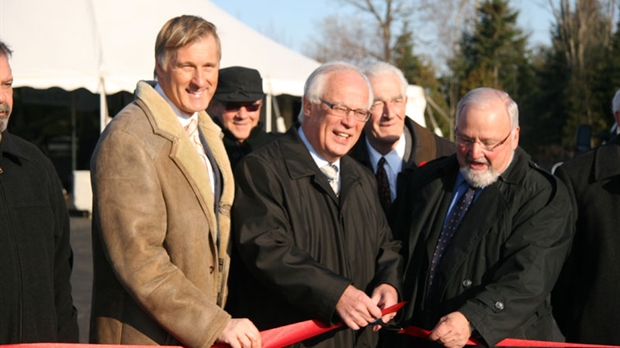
pixel 236 107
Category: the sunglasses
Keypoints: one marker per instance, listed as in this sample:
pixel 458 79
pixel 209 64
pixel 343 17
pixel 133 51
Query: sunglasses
pixel 249 106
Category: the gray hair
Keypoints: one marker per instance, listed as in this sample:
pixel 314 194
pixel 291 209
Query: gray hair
pixel 314 87
pixel 615 105
pixel 484 97
pixel 382 69
pixel 5 50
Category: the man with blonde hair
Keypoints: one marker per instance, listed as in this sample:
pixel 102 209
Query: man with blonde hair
pixel 163 189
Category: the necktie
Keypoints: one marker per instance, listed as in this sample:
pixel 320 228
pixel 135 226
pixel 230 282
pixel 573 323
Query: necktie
pixel 448 230
pixel 194 135
pixel 331 172
pixel 383 186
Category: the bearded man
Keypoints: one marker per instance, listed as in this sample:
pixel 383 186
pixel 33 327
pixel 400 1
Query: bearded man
pixel 488 232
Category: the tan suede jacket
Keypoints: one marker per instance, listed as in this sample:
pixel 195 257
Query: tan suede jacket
pixel 159 275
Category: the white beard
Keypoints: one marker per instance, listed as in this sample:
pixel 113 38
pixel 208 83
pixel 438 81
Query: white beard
pixel 482 178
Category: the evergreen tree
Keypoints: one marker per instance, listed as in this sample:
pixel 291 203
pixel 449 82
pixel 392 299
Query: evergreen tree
pixel 494 51
pixel 421 73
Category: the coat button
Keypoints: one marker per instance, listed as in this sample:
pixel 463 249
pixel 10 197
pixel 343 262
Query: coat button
pixel 211 269
pixel 499 305
pixel 467 283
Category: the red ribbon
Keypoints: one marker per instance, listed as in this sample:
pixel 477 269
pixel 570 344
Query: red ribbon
pixel 508 342
pixel 297 332
pixel 289 334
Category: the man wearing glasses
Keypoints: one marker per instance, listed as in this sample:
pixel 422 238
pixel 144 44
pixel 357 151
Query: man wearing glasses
pixel 391 141
pixel 236 107
pixel 488 234
pixel 307 222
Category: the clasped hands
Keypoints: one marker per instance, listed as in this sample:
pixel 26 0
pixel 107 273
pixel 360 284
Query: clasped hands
pixel 357 310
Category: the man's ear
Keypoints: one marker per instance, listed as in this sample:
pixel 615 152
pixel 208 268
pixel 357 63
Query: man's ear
pixel 307 107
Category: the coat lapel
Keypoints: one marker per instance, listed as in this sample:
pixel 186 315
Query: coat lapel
pixel 482 215
pixel 182 151
pixel 299 163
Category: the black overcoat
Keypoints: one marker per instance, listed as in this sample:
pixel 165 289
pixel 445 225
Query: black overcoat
pixel 35 251
pixel 586 297
pixel 301 245
pixel 504 259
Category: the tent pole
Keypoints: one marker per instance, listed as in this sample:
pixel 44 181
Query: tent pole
pixel 73 133
pixel 268 113
pixel 103 106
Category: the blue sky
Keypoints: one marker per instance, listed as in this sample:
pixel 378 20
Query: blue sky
pixel 292 22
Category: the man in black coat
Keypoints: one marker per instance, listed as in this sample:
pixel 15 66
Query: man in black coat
pixel 585 298
pixel 236 107
pixel 488 234
pixel 35 254
pixel 390 135
pixel 314 244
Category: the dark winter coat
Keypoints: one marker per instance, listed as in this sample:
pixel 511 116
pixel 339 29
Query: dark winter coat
pixel 504 259
pixel 586 297
pixel 301 245
pixel 236 150
pixel 35 251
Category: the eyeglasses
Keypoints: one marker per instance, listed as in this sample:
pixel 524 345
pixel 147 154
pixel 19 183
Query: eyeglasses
pixel 343 111
pixel 249 107
pixel 382 103
pixel 487 146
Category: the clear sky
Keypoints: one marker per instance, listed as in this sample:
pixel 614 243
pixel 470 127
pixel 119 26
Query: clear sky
pixel 293 22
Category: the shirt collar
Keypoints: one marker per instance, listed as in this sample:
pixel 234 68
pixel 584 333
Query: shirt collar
pixel 183 118
pixel 320 162
pixel 393 158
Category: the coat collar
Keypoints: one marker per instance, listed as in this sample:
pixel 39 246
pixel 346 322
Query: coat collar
pixel 299 164
pixel 182 152
pixel 607 160
pixel 360 150
pixel 484 213
pixel 10 150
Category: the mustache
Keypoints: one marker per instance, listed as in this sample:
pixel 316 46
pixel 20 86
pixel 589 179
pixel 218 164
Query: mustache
pixel 479 160
pixel 4 107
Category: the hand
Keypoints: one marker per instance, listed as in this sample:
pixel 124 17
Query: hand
pixel 357 309
pixel 453 330
pixel 240 333
pixel 384 296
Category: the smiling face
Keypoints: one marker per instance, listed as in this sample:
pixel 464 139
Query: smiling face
pixel 332 136
pixel 6 92
pixel 190 79
pixel 488 127
pixel 238 117
pixel 387 119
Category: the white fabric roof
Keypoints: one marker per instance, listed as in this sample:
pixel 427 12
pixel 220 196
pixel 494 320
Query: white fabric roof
pixel 108 45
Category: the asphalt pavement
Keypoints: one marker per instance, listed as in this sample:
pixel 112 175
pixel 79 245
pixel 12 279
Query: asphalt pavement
pixel 82 276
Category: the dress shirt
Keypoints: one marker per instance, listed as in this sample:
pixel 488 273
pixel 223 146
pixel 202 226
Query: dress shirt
pixel 320 161
pixel 185 119
pixel 393 161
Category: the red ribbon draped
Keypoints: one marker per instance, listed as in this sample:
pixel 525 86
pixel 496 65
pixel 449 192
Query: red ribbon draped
pixel 297 332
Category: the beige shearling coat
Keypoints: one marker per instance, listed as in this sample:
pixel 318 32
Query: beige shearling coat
pixel 159 275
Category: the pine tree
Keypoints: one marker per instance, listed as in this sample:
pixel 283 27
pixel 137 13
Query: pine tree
pixel 494 51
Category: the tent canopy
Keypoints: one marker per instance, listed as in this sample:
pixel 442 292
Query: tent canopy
pixel 106 46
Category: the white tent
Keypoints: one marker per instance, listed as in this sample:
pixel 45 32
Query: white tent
pixel 106 46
